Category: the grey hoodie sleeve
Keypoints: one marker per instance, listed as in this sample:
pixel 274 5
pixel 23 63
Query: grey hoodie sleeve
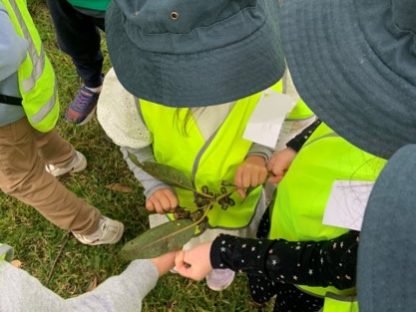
pixel 149 183
pixel 260 150
pixel 21 292
pixel 12 47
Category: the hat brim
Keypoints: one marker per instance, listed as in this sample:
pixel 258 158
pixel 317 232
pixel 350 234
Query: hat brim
pixel 197 79
pixel 342 79
pixel 386 269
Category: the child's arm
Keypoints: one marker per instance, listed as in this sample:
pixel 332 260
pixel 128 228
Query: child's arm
pixel 323 263
pixel 125 292
pixel 160 197
pixel 119 115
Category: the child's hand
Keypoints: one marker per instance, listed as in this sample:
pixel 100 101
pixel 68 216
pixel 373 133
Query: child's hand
pixel 195 263
pixel 252 172
pixel 280 163
pixel 162 201
pixel 164 262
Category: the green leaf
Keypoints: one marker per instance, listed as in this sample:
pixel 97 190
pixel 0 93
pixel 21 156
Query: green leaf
pixel 159 240
pixel 165 173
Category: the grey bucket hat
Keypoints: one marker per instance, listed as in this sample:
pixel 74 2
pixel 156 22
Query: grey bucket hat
pixel 386 273
pixel 186 53
pixel 354 64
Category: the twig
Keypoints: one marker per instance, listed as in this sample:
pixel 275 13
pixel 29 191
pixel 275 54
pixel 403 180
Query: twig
pixel 55 262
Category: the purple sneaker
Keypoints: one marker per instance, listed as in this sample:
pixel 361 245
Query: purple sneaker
pixel 82 108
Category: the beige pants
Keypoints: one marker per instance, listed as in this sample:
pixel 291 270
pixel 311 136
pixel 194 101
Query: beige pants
pixel 23 153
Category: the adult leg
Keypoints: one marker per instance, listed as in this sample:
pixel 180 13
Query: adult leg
pixel 23 176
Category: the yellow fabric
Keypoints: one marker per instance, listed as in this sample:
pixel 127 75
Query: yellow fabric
pixel 6 252
pixel 303 193
pixel 37 81
pixel 344 304
pixel 178 142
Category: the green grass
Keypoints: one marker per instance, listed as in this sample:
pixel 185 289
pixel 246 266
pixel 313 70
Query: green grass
pixel 37 242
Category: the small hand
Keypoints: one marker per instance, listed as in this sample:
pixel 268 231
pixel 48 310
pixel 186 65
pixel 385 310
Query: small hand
pixel 195 263
pixel 279 163
pixel 251 173
pixel 162 201
pixel 164 262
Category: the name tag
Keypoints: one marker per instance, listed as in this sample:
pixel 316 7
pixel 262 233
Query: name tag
pixel 266 121
pixel 347 203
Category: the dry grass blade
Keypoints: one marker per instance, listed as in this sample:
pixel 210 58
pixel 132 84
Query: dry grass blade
pixel 55 262
pixel 118 187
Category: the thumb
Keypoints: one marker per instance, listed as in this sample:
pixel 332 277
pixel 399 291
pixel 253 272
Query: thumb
pixel 180 265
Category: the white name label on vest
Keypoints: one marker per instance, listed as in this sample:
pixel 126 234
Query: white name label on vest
pixel 267 119
pixel 346 204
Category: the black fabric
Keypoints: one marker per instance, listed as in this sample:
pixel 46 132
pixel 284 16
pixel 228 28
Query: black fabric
pixel 297 142
pixel 270 264
pixel 11 100
pixel 78 36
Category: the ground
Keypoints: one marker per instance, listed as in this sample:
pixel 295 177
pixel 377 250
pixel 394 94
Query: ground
pixel 37 242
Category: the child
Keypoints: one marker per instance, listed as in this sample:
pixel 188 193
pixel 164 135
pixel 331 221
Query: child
pixel 354 63
pixel 304 252
pixel 127 129
pixel 125 292
pixel 76 25
pixel 214 82
pixel 29 110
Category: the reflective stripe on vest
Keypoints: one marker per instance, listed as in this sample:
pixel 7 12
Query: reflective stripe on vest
pixel 36 77
pixel 6 252
pixel 178 142
pixel 303 193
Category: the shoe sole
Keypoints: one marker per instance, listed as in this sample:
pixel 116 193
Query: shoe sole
pixel 85 120
pixel 89 117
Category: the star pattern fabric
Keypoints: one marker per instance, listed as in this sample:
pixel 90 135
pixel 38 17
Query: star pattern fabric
pixel 274 266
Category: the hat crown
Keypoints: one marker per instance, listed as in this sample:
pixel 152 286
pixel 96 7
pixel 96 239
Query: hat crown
pixel 188 53
pixel 179 16
pixel 404 15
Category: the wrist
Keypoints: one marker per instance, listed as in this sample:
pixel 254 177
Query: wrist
pixel 258 159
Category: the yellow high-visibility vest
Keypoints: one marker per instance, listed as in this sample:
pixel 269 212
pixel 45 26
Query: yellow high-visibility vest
pixel 37 83
pixel 178 142
pixel 303 194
